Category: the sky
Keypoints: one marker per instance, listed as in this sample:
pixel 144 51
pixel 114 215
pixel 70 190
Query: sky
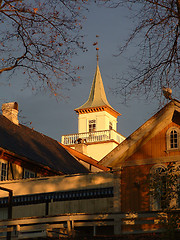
pixel 56 118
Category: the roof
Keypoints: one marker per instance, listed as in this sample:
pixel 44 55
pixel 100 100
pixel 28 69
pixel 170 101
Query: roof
pixel 169 113
pixel 38 148
pixel 85 158
pixel 97 96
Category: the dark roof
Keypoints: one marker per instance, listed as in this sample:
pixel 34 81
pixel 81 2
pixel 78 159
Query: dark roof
pixel 37 147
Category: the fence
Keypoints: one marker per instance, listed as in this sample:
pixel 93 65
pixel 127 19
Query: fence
pixel 72 224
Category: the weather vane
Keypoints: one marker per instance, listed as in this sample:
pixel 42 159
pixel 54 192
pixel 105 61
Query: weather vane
pixel 97 49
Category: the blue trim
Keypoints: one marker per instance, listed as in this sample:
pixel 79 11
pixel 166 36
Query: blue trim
pixel 58 196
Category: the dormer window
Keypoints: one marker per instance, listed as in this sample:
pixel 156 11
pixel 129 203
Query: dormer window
pixel 173 138
pixel 92 125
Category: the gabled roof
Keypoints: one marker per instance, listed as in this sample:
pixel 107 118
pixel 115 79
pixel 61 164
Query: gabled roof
pixel 97 97
pixel 85 158
pixel 169 113
pixel 37 148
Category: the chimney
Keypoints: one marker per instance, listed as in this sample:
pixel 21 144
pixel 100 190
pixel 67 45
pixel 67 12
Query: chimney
pixel 10 111
pixel 80 145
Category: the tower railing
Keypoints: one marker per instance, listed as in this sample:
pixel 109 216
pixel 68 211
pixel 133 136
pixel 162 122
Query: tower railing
pixel 91 137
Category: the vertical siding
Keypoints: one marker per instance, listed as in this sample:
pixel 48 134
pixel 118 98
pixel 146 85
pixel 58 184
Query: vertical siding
pixel 155 148
pixel 135 188
pixel 135 179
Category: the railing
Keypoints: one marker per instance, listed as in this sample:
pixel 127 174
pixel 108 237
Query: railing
pixel 89 137
pixel 72 225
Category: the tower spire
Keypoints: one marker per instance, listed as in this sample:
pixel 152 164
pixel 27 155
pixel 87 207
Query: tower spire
pixel 97 97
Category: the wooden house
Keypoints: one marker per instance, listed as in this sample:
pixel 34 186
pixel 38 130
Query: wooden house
pixel 147 150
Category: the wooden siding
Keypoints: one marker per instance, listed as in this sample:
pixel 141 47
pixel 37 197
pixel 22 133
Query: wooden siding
pixel 135 179
pixel 135 188
pixel 155 147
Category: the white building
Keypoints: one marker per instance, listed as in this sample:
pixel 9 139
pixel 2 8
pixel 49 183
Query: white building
pixel 97 124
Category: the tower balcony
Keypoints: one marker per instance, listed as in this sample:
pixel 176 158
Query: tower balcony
pixel 92 137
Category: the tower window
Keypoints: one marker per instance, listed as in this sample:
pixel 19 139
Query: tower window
pixel 110 126
pixel 92 125
pixel 173 138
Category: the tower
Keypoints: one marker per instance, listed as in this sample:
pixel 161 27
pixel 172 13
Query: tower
pixel 97 123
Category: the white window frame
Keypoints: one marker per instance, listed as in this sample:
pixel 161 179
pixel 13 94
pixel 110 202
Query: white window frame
pixel 110 125
pixel 4 176
pixel 168 139
pixel 92 125
pixel 28 174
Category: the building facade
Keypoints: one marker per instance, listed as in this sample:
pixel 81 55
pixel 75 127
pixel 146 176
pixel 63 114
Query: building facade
pixel 147 153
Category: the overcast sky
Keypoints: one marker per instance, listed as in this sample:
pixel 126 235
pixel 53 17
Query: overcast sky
pixel 57 118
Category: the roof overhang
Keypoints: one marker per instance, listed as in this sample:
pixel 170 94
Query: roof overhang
pixel 98 109
pixel 142 135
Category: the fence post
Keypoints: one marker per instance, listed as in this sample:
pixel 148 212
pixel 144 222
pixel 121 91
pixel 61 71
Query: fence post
pixel 117 225
pixel 69 228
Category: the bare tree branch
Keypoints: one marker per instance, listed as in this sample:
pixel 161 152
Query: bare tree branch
pixel 39 38
pixel 156 63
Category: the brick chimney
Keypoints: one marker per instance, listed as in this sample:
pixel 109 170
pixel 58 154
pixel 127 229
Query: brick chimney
pixel 10 111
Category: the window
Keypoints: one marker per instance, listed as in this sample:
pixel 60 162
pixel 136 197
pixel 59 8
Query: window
pixel 158 187
pixel 173 138
pixel 3 170
pixel 28 174
pixel 178 185
pixel 110 126
pixel 92 125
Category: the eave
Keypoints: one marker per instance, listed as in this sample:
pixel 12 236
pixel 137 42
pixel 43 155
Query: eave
pixel 98 109
pixel 25 162
pixel 142 135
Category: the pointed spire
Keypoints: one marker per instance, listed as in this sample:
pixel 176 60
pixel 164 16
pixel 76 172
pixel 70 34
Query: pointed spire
pixel 97 96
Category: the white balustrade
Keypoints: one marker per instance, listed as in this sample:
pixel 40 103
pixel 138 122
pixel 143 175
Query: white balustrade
pixel 89 137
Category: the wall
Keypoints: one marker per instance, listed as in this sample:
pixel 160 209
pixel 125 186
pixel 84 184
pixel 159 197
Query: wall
pixel 46 187
pixel 102 121
pixel 136 170
pixel 99 150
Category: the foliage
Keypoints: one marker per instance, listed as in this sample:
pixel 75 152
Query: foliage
pixel 164 190
pixel 156 61
pixel 38 39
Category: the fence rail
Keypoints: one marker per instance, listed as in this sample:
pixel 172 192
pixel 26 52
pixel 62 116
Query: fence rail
pixel 68 224
pixel 89 137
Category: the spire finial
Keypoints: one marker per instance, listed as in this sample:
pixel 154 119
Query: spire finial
pixel 97 49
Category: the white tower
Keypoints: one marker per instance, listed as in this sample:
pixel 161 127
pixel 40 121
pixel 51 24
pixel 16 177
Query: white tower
pixel 97 123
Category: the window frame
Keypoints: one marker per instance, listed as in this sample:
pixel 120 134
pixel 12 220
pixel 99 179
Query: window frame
pixel 110 125
pixel 92 125
pixel 168 139
pixel 29 172
pixel 3 177
pixel 155 204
